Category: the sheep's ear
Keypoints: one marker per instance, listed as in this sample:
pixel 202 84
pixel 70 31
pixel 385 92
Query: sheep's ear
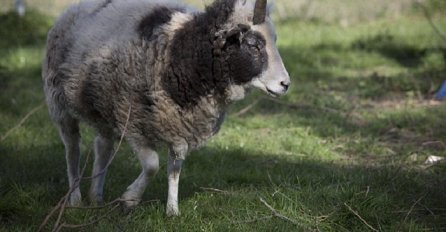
pixel 235 35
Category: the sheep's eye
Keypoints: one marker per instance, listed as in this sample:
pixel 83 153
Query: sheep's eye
pixel 254 40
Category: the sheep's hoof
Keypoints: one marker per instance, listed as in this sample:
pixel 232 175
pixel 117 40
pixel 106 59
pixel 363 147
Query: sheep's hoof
pixel 128 206
pixel 96 201
pixel 127 209
pixel 75 198
pixel 75 203
pixel 172 211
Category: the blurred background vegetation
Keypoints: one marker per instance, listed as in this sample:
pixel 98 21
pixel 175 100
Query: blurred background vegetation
pixel 348 144
pixel 345 12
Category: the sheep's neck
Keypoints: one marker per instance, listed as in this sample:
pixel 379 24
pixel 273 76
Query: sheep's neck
pixel 195 71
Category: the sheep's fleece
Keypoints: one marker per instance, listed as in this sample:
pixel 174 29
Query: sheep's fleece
pixel 156 73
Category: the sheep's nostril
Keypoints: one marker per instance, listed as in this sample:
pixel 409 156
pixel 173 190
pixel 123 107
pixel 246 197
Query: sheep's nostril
pixel 286 85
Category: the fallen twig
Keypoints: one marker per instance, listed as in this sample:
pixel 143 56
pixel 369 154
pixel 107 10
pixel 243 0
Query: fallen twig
pixel 75 226
pixel 62 204
pixel 429 19
pixel 412 207
pixel 247 108
pixel 430 210
pixel 300 106
pixel 23 120
pixel 97 207
pixel 124 131
pixel 63 201
pixel 76 185
pixel 360 218
pixel 277 214
pixel 254 220
pixel 51 213
pixel 427 209
pixel 438 144
pixel 215 190
pixel 118 200
pixel 348 115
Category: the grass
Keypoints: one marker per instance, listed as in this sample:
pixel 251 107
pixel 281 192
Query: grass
pixel 346 146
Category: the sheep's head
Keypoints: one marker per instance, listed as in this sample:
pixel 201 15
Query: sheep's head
pixel 248 41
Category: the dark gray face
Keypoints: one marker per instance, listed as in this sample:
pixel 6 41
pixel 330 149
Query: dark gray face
pixel 247 55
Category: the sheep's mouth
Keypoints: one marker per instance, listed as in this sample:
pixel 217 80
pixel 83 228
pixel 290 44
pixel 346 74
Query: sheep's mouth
pixel 272 93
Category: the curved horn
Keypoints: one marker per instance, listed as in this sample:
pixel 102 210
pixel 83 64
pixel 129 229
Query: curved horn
pixel 259 12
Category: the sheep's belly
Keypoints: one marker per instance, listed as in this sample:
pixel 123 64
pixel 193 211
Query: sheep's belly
pixel 193 126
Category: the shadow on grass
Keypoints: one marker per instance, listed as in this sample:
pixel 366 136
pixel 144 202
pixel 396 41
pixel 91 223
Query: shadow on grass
pixel 411 126
pixel 387 45
pixel 324 61
pixel 322 87
pixel 33 180
pixel 304 63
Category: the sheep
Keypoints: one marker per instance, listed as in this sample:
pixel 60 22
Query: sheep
pixel 158 73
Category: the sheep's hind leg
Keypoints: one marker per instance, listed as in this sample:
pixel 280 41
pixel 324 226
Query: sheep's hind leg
pixel 103 149
pixel 150 166
pixel 175 161
pixel 69 133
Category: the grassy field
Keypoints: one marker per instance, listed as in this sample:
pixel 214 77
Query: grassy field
pixel 343 151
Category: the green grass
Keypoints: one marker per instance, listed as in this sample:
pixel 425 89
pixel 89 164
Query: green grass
pixel 354 131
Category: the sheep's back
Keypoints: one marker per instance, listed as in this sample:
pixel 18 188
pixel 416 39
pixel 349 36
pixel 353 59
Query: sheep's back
pixel 88 48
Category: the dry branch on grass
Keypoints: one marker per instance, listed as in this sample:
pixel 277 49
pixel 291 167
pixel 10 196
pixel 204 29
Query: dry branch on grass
pixel 118 200
pixel 124 131
pixel 78 226
pixel 247 108
pixel 360 218
pixel 429 19
pixel 76 184
pixel 254 220
pixel 277 214
pixel 274 213
pixel 22 121
pixel 349 114
pixel 62 204
pixel 301 106
pixel 412 207
pixel 215 190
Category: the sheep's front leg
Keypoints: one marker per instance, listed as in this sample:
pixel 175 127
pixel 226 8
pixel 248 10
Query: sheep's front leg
pixel 150 165
pixel 175 161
